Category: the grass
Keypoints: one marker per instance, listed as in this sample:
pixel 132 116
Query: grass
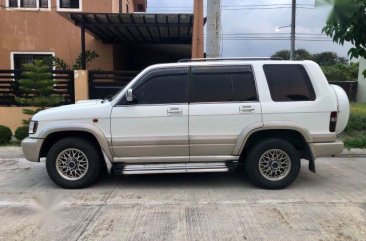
pixel 354 135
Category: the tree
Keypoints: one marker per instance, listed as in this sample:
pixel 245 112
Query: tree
pixel 283 54
pixel 334 67
pixel 346 23
pixel 300 54
pixel 329 58
pixel 61 64
pixel 37 88
pixel 341 72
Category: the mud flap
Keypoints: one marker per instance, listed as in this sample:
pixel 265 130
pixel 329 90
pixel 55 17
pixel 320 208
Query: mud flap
pixel 312 165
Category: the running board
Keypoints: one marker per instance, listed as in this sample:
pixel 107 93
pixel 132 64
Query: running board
pixel 133 169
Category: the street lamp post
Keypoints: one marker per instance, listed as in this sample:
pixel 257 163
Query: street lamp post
pixel 293 30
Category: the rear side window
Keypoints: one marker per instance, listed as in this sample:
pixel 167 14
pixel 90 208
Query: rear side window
pixel 288 83
pixel 223 84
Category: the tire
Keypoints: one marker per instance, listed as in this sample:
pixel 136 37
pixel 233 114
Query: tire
pixel 59 164
pixel 270 175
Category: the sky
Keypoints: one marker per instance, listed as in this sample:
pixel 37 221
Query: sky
pixel 243 20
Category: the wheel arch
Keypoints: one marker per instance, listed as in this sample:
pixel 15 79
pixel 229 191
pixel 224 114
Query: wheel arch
pixel 51 134
pixel 291 132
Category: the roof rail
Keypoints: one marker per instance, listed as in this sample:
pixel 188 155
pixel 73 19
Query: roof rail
pixel 223 59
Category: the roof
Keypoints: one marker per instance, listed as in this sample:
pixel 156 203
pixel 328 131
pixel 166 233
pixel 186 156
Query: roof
pixel 232 62
pixel 136 27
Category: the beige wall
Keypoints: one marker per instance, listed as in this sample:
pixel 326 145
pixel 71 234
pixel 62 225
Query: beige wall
pixel 47 31
pixel 115 6
pixel 12 117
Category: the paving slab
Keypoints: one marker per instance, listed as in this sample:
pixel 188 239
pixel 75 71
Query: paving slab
pixel 328 205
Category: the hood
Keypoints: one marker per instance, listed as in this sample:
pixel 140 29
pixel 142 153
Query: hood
pixel 84 102
pixel 81 110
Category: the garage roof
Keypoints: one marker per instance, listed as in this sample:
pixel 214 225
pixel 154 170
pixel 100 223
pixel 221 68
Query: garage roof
pixel 136 27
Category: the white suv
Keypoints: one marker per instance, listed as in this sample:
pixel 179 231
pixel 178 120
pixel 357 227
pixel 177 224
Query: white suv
pixel 197 116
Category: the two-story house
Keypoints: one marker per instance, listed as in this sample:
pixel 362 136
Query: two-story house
pixel 31 29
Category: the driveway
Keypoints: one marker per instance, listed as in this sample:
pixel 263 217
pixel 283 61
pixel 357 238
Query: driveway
pixel 328 205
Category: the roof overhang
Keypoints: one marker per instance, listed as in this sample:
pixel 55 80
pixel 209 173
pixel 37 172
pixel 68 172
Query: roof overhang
pixel 115 28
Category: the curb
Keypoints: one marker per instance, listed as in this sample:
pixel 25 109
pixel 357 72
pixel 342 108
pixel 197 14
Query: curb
pixel 356 152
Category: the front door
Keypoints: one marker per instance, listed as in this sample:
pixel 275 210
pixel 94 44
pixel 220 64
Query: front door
pixel 224 101
pixel 154 126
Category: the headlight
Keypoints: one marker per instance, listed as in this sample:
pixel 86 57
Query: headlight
pixel 33 127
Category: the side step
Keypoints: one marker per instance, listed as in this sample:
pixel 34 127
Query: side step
pixel 154 168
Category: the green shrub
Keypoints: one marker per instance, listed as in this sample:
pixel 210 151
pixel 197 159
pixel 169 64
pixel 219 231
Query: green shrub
pixel 21 133
pixel 5 135
pixel 340 72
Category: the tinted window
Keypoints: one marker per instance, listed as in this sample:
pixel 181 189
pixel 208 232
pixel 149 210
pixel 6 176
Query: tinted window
pixel 222 84
pixel 289 83
pixel 244 87
pixel 162 89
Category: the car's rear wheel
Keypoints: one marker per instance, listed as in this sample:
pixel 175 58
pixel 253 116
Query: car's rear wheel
pixel 73 163
pixel 272 164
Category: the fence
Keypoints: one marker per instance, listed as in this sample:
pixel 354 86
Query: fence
pixel 349 86
pixel 9 86
pixel 107 83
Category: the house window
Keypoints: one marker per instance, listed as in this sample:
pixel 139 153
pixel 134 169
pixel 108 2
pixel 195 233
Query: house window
pixel 19 59
pixel 13 3
pixel 127 8
pixel 69 5
pixel 43 3
pixel 28 4
pixel 140 7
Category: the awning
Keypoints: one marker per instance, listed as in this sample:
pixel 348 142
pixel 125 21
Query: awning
pixel 144 28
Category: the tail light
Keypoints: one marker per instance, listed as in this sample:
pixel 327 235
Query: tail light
pixel 333 121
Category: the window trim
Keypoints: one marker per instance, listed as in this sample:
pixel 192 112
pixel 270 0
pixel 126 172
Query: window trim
pixel 12 53
pixel 127 7
pixel 19 8
pixel 308 83
pixel 60 9
pixel 251 70
pixel 149 75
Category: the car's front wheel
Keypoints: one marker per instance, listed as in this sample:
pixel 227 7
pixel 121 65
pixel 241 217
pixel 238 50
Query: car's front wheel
pixel 272 164
pixel 73 163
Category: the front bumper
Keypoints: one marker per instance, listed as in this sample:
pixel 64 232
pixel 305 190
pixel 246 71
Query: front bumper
pixel 32 148
pixel 326 149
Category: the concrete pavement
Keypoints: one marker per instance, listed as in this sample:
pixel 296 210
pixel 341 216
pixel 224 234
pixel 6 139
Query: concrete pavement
pixel 328 205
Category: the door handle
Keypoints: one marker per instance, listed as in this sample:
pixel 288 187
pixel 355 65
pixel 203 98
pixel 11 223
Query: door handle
pixel 246 109
pixel 175 111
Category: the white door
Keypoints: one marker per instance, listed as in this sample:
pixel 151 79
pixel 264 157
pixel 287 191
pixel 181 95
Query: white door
pixel 223 101
pixel 154 126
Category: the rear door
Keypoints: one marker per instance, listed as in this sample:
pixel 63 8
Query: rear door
pixel 223 101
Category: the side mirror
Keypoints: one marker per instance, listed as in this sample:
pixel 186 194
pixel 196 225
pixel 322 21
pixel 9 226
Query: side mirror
pixel 129 95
